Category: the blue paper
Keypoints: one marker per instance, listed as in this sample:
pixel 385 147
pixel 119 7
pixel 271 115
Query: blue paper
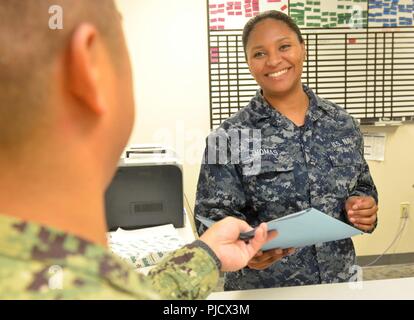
pixel 304 228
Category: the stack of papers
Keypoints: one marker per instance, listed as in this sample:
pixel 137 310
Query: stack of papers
pixel 144 247
pixel 304 228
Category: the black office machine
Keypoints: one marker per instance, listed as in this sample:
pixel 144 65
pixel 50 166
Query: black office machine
pixel 147 190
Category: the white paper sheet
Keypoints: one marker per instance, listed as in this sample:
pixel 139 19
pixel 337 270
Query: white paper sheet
pixel 144 247
pixel 374 146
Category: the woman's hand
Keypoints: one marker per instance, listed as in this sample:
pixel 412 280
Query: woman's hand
pixel 263 259
pixel 362 212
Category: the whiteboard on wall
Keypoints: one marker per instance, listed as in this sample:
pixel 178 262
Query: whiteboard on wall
pixel 359 54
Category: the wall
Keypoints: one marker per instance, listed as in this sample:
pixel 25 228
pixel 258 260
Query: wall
pixel 168 47
pixel 170 64
pixel 394 178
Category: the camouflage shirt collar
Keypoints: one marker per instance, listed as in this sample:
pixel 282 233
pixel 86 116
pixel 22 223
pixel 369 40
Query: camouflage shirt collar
pixel 261 110
pixel 30 241
pixel 317 105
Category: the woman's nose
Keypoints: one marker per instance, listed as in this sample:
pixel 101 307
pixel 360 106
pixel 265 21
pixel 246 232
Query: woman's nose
pixel 273 60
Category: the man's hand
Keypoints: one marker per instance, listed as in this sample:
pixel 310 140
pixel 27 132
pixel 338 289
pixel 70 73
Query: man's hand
pixel 263 260
pixel 362 212
pixel 223 239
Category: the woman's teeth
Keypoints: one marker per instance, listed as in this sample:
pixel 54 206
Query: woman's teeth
pixel 277 74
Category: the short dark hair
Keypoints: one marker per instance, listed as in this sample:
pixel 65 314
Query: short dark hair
pixel 25 66
pixel 271 14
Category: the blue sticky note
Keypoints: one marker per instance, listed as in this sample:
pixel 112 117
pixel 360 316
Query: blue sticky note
pixel 304 228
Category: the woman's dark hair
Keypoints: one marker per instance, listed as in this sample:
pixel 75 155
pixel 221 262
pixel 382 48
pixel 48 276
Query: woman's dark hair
pixel 271 14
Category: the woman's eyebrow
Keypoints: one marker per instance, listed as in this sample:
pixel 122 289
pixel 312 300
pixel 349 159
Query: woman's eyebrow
pixel 277 40
pixel 257 47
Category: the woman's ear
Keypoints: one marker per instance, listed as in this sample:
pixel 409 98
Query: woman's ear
pixel 305 55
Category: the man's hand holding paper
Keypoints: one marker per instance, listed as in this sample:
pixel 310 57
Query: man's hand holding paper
pixel 304 228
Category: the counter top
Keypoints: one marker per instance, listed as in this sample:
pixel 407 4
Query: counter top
pixel 389 289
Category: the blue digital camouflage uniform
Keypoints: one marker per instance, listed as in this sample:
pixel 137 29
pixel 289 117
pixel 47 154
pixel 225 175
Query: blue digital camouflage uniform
pixel 317 165
pixel 37 262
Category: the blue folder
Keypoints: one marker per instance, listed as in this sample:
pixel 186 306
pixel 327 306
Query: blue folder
pixel 304 228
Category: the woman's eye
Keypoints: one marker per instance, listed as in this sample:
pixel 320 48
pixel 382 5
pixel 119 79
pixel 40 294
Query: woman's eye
pixel 258 54
pixel 285 47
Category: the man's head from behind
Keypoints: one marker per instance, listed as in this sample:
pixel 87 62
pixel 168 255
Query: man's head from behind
pixel 64 91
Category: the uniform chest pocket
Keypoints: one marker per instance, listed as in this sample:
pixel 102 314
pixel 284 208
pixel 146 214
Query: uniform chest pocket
pixel 345 152
pixel 272 168
pixel 274 181
pixel 346 163
pixel 267 166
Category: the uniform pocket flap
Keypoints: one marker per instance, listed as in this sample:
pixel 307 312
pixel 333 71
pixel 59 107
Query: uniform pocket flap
pixel 283 165
pixel 268 164
pixel 345 152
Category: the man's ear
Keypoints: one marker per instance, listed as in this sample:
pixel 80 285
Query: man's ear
pixel 84 68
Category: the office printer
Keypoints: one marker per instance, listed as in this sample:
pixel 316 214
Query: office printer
pixel 147 190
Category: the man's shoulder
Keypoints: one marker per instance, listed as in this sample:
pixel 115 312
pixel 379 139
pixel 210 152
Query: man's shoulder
pixel 33 241
pixel 38 262
pixel 33 279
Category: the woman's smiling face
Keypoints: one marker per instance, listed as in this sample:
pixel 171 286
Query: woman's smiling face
pixel 275 57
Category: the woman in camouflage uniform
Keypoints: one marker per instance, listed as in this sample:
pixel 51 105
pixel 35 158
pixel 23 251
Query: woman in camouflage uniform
pixel 311 155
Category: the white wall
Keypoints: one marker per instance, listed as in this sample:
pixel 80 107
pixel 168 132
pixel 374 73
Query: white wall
pixel 169 52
